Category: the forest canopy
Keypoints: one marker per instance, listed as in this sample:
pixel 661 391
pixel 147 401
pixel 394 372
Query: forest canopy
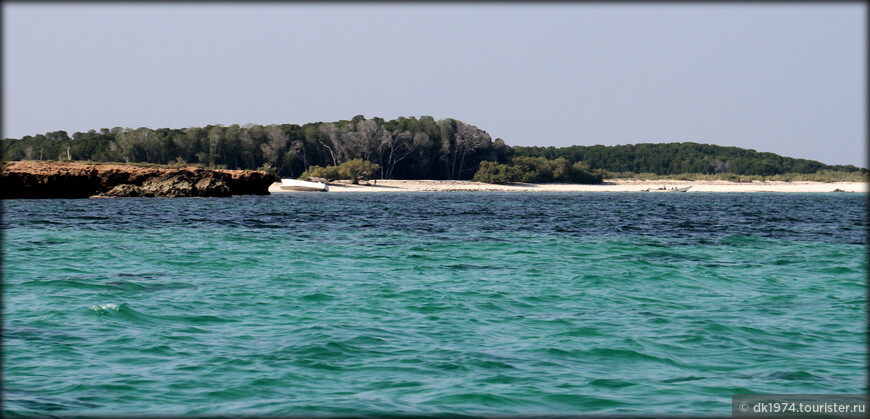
pixel 680 158
pixel 403 148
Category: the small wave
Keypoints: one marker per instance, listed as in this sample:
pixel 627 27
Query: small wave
pixel 627 355
pixel 475 399
pixel 469 267
pixel 583 331
pixel 79 282
pixel 683 379
pixel 611 383
pixel 504 379
pixel 317 297
pixel 839 270
pixel 581 402
pixel 145 275
pixel 104 308
pixel 792 376
pixel 199 320
pixel 37 334
pixel 124 313
pixel 27 403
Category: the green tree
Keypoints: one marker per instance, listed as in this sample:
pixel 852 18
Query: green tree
pixel 352 170
pixel 492 172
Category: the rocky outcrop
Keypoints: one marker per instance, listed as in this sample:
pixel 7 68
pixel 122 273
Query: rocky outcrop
pixel 31 179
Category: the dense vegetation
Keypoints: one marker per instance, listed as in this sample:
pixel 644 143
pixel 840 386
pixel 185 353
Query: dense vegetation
pixel 353 170
pixel 537 170
pixel 681 158
pixel 411 148
pixel 404 148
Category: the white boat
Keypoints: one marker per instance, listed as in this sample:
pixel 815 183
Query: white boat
pixel 289 185
pixel 662 189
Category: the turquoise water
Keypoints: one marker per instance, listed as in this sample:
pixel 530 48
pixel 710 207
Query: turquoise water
pixel 467 303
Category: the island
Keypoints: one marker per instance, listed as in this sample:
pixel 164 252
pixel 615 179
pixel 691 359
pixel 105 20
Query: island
pixel 404 154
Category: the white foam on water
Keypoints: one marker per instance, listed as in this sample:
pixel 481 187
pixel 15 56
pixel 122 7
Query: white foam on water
pixel 102 308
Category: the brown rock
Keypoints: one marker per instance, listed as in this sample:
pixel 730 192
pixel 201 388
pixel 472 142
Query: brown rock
pixel 31 179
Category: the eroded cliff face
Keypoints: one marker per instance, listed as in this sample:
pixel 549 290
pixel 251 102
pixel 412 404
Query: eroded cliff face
pixel 32 179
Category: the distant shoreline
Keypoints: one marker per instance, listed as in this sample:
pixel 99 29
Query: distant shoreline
pixel 609 185
pixel 31 179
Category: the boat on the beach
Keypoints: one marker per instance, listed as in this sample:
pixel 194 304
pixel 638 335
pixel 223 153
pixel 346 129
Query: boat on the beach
pixel 663 189
pixel 288 185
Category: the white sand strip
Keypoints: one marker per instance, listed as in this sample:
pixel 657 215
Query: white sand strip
pixel 611 185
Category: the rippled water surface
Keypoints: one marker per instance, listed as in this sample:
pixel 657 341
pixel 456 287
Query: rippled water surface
pixel 473 303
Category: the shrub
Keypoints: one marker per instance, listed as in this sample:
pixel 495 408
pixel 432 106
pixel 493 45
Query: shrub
pixel 492 172
pixel 537 170
pixel 353 170
pixel 266 167
pixel 328 172
pixel 357 169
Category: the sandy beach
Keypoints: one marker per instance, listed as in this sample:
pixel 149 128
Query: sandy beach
pixel 611 185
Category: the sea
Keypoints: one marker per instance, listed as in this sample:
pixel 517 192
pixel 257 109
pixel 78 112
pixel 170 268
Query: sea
pixel 458 303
